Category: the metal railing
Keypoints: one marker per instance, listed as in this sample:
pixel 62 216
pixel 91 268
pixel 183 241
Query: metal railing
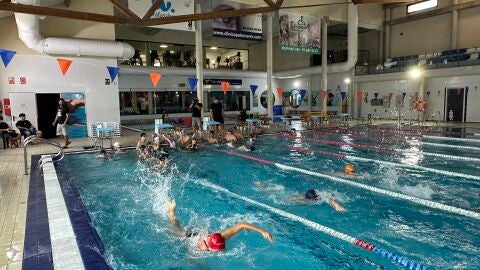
pixel 55 158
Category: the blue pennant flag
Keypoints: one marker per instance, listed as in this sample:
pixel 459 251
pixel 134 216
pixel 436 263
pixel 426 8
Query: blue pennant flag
pixel 192 82
pixel 344 94
pixel 6 56
pixel 303 92
pixel 375 95
pixel 428 93
pixel 404 94
pixel 113 72
pixel 253 88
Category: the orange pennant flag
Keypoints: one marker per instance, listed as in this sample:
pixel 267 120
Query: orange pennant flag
pixel 64 65
pixel 155 77
pixel 324 93
pixel 280 92
pixel 225 85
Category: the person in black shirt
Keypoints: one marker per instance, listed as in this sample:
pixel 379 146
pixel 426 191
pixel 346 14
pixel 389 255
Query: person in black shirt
pixel 216 109
pixel 196 108
pixel 9 133
pixel 26 128
pixel 61 121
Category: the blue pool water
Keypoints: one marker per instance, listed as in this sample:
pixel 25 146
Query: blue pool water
pixel 126 201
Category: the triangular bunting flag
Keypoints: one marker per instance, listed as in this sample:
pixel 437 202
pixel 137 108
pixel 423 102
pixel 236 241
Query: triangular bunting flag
pixel 280 92
pixel 155 77
pixel 192 82
pixel 404 94
pixel 64 65
pixel 303 93
pixel 375 95
pixel 253 88
pixel 359 96
pixel 344 94
pixel 428 94
pixel 113 71
pixel 6 56
pixel 324 93
pixel 225 85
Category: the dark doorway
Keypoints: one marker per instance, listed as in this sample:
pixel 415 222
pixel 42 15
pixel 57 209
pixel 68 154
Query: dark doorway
pixel 455 97
pixel 47 109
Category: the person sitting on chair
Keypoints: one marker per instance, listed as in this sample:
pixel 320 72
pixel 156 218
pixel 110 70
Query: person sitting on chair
pixel 26 128
pixel 10 134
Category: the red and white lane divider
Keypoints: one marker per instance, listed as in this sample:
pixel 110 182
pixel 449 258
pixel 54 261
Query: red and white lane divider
pixel 420 201
pixel 451 139
pixel 353 145
pixel 402 260
pixel 402 165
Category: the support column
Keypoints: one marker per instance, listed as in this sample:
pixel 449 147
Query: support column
pixel 199 54
pixel 309 93
pixel 386 48
pixel 421 88
pixel 356 102
pixel 269 65
pixel 380 47
pixel 453 44
pixel 324 62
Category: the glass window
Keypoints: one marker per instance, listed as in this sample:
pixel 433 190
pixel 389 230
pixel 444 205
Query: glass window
pixel 142 103
pixel 233 101
pixel 134 103
pixel 140 56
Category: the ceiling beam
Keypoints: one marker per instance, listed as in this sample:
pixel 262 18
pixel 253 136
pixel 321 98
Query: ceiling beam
pixel 270 3
pixel 208 15
pixel 152 10
pixel 361 2
pixel 124 9
pixel 279 3
pixel 63 13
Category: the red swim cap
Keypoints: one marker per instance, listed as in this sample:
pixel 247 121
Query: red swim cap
pixel 216 242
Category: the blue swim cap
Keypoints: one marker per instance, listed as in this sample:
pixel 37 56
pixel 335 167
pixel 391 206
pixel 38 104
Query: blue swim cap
pixel 252 148
pixel 311 194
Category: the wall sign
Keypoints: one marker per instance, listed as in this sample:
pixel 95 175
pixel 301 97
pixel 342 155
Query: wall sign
pixel 299 33
pixel 166 9
pixel 247 27
pixel 219 81
pixel 23 80
pixel 11 80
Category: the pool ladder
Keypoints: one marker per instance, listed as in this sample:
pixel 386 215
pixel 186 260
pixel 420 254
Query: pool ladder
pixel 55 158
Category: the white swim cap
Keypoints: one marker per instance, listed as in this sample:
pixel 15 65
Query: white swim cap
pixel 117 145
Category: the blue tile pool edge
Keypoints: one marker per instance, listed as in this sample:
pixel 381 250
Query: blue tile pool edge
pixel 37 243
pixel 37 252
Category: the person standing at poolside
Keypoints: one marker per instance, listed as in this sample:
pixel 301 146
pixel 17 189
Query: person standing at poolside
pixel 61 121
pixel 196 108
pixel 214 241
pixel 216 109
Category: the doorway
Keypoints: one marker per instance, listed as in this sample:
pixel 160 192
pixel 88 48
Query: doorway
pixel 455 109
pixel 47 110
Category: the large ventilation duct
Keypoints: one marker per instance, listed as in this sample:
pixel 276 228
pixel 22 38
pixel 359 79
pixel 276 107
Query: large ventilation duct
pixel 29 32
pixel 338 67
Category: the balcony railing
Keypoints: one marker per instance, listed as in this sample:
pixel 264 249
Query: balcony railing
pixel 445 59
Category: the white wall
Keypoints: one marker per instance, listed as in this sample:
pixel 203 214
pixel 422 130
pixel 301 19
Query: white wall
pixel 85 75
pixel 432 84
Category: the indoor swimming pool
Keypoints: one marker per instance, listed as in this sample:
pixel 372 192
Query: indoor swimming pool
pixel 412 197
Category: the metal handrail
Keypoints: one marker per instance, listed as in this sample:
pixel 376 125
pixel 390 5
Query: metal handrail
pixel 33 138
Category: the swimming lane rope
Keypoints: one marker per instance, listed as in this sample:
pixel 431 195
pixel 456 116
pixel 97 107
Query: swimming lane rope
pixel 420 201
pixel 402 260
pixel 450 139
pixel 344 156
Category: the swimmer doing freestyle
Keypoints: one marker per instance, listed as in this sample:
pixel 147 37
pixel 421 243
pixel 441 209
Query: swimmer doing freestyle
pixel 214 241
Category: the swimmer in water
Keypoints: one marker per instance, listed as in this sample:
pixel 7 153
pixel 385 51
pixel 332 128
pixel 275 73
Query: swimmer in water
pixel 214 241
pixel 194 145
pixel 246 149
pixel 293 131
pixel 211 138
pixel 103 154
pixel 117 147
pixel 312 195
pixel 162 161
pixel 171 142
pixel 142 141
pixel 349 170
pixel 230 138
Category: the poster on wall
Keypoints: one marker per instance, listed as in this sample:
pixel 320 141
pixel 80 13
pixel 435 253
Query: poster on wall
pixel 334 97
pixel 166 9
pixel 299 33
pixel 77 119
pixel 247 27
pixel 255 100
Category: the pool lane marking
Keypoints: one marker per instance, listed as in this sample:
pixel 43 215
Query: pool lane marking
pixel 417 131
pixel 418 167
pixel 329 142
pixel 451 139
pixel 65 251
pixel 449 146
pixel 410 264
pixel 360 137
pixel 420 201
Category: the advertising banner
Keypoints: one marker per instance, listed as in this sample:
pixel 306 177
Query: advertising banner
pixel 299 33
pixel 77 119
pixel 245 27
pixel 166 9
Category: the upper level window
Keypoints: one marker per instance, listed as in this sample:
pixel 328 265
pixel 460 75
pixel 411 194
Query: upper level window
pixel 422 6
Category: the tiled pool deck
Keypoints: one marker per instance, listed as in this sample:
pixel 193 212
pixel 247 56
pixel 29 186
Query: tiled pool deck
pixel 14 199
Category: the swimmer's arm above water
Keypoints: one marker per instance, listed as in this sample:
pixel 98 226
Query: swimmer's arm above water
pixel 173 219
pixel 245 226
pixel 336 205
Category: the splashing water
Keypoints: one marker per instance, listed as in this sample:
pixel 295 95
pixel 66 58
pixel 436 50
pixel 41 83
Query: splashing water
pixel 390 181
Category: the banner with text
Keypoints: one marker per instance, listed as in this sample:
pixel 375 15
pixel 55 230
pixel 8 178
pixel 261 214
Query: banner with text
pixel 166 9
pixel 299 33
pixel 247 27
